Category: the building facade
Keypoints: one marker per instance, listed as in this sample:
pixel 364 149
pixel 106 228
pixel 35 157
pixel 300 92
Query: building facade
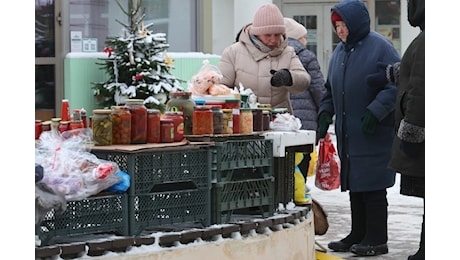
pixel 207 26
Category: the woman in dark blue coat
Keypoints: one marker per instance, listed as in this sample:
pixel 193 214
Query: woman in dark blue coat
pixel 364 121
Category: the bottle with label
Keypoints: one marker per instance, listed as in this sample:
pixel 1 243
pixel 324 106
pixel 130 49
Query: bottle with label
pixel 121 125
pixel 138 120
pixel 65 110
pixel 102 127
pixel 181 101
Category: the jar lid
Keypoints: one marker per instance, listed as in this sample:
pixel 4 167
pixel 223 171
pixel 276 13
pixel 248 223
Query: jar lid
pixel 102 111
pixel 174 113
pixel 56 119
pixel 200 102
pixel 231 100
pixel 46 123
pixel 246 109
pixel 227 110
pixel 166 120
pixel 215 107
pixel 203 107
pixel 153 111
pixel 180 93
pixel 134 100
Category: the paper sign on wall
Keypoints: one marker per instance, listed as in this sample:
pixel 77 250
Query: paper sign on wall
pixel 75 41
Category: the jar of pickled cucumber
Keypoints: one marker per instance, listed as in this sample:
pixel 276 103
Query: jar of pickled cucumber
pixel 102 127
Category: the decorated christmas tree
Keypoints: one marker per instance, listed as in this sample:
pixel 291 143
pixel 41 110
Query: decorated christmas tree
pixel 137 65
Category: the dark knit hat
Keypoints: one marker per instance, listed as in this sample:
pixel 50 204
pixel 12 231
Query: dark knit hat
pixel 268 20
pixel 336 18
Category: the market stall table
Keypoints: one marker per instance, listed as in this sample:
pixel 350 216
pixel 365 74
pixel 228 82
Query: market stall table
pixel 285 145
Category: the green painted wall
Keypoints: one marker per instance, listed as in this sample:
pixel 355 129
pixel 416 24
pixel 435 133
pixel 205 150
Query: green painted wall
pixel 81 70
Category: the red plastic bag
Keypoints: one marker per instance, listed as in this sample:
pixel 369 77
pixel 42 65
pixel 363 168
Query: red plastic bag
pixel 328 165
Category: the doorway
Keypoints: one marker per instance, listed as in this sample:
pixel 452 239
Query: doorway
pixel 320 37
pixel 48 63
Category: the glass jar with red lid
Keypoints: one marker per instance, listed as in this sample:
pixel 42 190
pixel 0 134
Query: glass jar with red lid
pixel 138 120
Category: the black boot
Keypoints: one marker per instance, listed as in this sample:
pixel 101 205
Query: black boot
pixel 357 225
pixel 420 255
pixel 375 240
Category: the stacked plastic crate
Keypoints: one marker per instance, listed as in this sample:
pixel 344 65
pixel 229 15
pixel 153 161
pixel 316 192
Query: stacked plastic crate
pixel 242 179
pixel 169 186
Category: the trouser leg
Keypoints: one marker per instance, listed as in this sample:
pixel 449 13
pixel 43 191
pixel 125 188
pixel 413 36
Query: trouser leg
pixel 376 205
pixel 358 219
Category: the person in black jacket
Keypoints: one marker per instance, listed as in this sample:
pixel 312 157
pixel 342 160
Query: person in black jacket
pixel 408 151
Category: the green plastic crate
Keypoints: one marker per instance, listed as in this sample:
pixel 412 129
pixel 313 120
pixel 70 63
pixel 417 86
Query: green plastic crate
pixel 168 185
pixel 93 215
pixel 148 168
pixel 173 207
pixel 229 197
pixel 242 159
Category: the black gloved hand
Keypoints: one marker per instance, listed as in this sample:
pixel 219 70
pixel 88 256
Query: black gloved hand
pixel 324 120
pixel 281 78
pixel 385 75
pixel 38 172
pixel 411 150
pixel 369 123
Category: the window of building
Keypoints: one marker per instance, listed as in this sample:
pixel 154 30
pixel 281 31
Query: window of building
pixel 387 20
pixel 102 18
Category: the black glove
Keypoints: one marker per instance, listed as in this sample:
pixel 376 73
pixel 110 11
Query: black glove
pixel 38 172
pixel 281 78
pixel 411 150
pixel 369 123
pixel 324 120
pixel 385 75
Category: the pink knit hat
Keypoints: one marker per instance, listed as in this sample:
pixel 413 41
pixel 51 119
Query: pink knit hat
pixel 268 20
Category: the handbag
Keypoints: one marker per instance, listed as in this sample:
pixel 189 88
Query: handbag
pixel 328 165
pixel 319 218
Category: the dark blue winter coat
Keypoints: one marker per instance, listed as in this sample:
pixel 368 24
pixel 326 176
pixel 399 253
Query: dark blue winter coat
pixel 305 105
pixel 364 157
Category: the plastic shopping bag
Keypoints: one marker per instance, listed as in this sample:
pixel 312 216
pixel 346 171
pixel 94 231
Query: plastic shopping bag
pixel 328 165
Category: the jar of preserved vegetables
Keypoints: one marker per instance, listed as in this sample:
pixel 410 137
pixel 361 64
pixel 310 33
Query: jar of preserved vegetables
pixel 38 129
pixel 121 125
pixel 266 119
pixel 181 101
pixel 246 124
pixel 102 127
pixel 202 121
pixel 138 120
pixel 257 120
pixel 167 130
pixel 228 121
pixel 153 126
pixel 178 119
pixel 217 119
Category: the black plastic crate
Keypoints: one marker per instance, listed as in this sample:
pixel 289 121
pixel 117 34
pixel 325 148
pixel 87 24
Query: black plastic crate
pixel 284 178
pixel 93 215
pixel 148 168
pixel 255 195
pixel 242 159
pixel 168 207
